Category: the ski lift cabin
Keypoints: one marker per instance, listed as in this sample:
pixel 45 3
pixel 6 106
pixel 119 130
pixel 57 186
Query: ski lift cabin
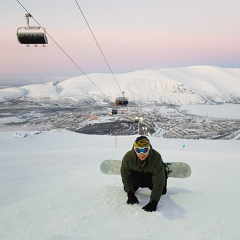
pixel 31 35
pixel 121 101
pixel 114 111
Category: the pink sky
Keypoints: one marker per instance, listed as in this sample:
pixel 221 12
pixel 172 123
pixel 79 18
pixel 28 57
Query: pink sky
pixel 133 35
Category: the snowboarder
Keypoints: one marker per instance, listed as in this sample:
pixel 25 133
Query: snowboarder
pixel 143 167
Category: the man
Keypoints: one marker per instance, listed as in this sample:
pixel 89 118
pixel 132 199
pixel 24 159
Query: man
pixel 143 167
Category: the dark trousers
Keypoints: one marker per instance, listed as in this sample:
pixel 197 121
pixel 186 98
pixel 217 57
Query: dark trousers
pixel 144 180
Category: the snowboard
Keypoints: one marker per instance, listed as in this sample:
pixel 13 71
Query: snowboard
pixel 174 169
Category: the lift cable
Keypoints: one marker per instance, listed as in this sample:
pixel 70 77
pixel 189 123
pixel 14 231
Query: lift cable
pixel 98 45
pixel 64 51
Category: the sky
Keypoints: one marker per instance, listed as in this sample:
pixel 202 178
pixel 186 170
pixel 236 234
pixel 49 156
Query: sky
pixel 133 35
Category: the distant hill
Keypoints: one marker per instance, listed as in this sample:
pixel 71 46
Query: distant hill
pixel 183 85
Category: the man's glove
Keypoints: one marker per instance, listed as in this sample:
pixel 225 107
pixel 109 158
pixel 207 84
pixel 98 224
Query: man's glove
pixel 151 206
pixel 132 198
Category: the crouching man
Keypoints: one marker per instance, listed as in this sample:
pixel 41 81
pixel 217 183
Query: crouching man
pixel 143 167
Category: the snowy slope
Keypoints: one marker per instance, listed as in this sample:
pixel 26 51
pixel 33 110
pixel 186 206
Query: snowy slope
pixel 212 83
pixel 186 85
pixel 51 188
pixel 12 93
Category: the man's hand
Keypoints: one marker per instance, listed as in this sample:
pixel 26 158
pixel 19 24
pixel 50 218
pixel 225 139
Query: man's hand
pixel 132 198
pixel 151 206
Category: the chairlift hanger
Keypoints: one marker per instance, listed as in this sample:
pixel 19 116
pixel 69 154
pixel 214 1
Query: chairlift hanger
pixel 31 35
pixel 114 111
pixel 122 101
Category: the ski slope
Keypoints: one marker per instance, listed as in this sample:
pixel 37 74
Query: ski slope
pixel 51 188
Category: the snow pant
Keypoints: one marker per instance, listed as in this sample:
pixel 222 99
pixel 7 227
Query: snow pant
pixel 144 180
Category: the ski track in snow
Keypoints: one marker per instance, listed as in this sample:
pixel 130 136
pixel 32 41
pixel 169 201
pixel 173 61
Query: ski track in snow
pixel 51 188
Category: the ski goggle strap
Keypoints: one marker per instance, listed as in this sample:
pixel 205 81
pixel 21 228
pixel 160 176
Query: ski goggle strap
pixel 142 150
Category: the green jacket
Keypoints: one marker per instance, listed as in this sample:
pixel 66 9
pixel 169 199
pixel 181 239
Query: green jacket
pixel 151 171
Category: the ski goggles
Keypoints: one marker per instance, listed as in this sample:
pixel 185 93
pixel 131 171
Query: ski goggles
pixel 142 150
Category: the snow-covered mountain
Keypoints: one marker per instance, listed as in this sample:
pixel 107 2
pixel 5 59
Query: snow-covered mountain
pixel 184 85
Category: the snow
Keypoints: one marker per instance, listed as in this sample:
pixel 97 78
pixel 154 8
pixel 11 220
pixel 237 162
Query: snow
pixel 230 111
pixel 185 85
pixel 10 119
pixel 51 188
pixel 11 93
pixel 40 90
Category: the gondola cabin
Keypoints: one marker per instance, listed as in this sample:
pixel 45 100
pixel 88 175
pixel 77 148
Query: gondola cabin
pixel 121 101
pixel 31 35
pixel 114 111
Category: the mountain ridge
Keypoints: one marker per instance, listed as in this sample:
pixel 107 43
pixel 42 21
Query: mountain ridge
pixel 182 85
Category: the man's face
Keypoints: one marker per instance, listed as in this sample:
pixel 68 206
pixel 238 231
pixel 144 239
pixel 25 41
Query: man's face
pixel 142 156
